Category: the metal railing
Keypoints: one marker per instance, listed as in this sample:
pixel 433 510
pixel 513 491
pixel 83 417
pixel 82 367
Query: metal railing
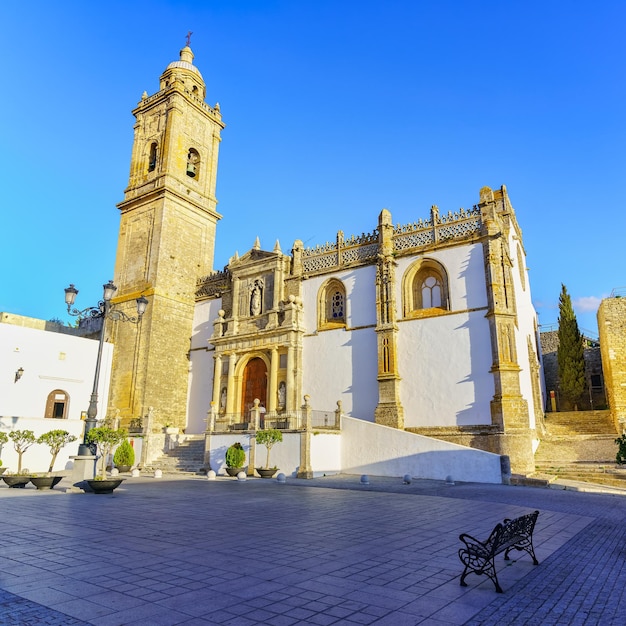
pixel 282 420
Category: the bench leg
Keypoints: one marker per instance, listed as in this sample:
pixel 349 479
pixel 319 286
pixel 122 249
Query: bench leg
pixel 487 568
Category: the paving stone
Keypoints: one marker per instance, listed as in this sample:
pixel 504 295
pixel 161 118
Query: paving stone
pixel 313 552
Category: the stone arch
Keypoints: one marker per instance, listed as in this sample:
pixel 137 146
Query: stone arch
pixel 425 288
pixel 332 305
pixel 252 373
pixel 57 405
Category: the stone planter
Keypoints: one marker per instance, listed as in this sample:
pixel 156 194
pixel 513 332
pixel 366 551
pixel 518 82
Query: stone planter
pixel 104 486
pixel 171 430
pixel 45 482
pixel 123 468
pixel 233 471
pixel 16 482
pixel 266 473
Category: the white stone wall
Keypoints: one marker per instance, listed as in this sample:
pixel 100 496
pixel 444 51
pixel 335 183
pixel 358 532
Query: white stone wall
pixel 37 457
pixel 383 451
pixel 50 361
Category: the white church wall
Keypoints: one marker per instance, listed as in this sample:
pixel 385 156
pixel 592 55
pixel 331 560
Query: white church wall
pixel 526 323
pixel 465 268
pixel 360 285
pixel 341 365
pixel 382 451
pixel 201 365
pixel 444 364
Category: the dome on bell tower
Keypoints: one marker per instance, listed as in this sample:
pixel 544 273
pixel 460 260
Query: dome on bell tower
pixel 186 72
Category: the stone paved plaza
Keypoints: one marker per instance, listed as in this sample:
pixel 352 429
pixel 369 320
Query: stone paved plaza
pixel 327 551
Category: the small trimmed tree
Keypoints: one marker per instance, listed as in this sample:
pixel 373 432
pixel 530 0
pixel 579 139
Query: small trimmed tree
pixel 570 353
pixel 268 438
pixel 22 440
pixel 55 440
pixel 105 438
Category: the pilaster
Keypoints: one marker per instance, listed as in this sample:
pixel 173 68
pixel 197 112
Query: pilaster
pixel 389 410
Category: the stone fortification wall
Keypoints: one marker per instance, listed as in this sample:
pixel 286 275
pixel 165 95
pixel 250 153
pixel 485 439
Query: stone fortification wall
pixel 612 329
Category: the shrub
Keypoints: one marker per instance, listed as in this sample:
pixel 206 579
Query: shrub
pixel 125 454
pixel 235 455
pixel 620 457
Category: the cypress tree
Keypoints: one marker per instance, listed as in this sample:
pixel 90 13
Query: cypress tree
pixel 570 353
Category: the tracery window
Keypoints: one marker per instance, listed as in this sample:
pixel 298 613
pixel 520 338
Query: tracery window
pixel 425 287
pixel 332 305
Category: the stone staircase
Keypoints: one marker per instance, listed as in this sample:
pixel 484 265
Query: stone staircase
pixel 580 445
pixel 187 457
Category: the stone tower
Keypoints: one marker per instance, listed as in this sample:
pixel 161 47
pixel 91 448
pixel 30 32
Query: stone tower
pixel 166 241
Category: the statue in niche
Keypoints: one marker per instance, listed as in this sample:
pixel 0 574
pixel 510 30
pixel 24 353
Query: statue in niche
pixel 255 300
pixel 282 394
pixel 223 400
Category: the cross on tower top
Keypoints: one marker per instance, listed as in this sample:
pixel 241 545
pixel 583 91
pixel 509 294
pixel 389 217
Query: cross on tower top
pixel 189 33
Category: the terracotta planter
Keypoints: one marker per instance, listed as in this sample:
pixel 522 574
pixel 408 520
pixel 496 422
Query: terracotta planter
pixel 16 482
pixel 266 473
pixel 104 486
pixel 45 482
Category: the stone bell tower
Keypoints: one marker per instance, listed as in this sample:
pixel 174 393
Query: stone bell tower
pixel 166 241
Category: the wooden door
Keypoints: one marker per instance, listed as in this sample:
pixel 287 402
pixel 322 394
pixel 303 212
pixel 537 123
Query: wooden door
pixel 254 385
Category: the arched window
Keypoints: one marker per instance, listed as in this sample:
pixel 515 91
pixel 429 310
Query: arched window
pixel 193 163
pixel 152 159
pixel 57 405
pixel 332 305
pixel 425 288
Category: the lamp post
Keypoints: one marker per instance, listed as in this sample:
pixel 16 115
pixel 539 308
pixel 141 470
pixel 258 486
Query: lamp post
pixel 105 310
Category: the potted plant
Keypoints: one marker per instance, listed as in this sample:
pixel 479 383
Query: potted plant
pixel 55 440
pixel 268 438
pixel 235 459
pixel 3 439
pixel 105 438
pixel 124 457
pixel 22 440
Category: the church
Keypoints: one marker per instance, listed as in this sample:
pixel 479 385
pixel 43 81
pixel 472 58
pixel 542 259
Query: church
pixel 425 328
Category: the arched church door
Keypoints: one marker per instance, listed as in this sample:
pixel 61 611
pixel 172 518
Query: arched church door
pixel 254 385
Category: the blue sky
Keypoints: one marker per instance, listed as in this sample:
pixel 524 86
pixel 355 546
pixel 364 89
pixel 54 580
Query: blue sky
pixel 334 110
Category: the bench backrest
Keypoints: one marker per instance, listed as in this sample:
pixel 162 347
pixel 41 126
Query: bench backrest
pixel 510 532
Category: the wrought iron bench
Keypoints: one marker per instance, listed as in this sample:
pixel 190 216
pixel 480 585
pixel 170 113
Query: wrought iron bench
pixel 479 556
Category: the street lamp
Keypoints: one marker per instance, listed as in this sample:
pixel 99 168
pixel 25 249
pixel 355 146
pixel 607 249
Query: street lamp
pixel 104 310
